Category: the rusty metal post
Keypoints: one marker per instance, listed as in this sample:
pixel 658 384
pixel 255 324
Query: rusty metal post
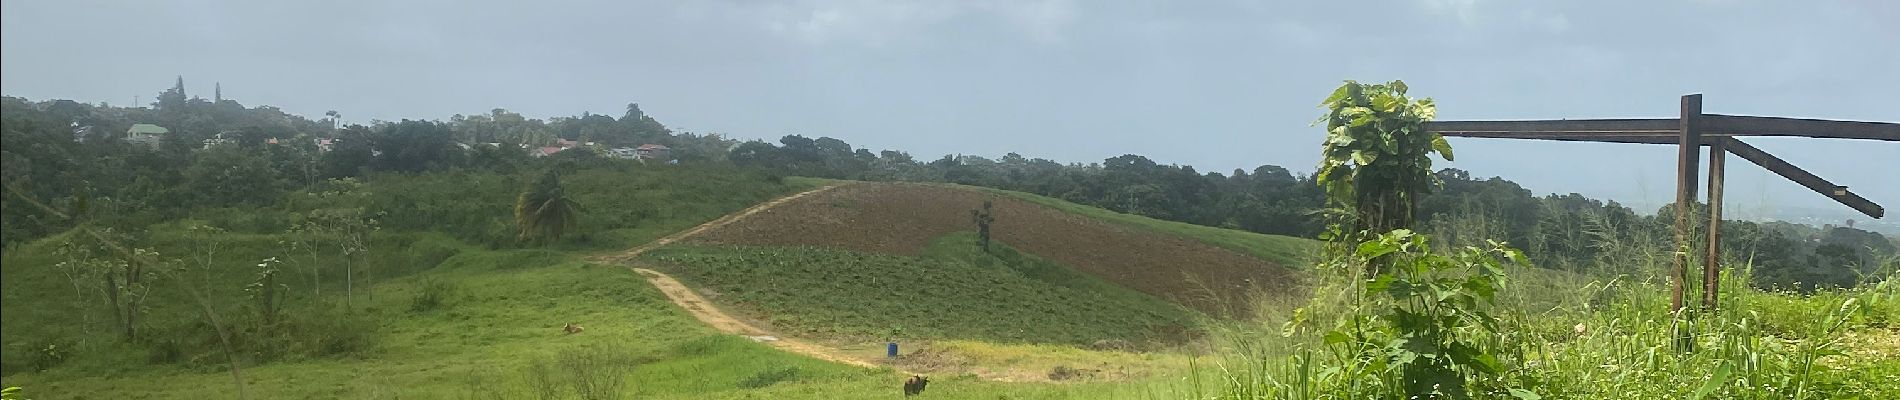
pixel 1712 266
pixel 1687 152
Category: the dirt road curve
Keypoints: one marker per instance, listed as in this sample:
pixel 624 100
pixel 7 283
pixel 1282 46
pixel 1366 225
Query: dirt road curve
pixel 709 314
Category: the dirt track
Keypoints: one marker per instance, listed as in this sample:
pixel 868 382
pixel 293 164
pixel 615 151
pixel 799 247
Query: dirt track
pixel 704 310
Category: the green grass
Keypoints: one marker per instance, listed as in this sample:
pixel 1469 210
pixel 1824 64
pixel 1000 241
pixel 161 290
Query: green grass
pixel 622 205
pixel 1762 345
pixel 1288 251
pixel 953 291
pixel 503 316
pixel 447 306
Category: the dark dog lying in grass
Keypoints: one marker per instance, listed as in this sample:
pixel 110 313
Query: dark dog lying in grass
pixel 915 385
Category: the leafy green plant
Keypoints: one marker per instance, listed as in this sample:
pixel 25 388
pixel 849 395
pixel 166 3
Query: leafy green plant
pixel 1376 159
pixel 544 211
pixel 1428 332
pixel 265 290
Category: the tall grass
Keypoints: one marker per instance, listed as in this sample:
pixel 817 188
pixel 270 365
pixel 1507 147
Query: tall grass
pixel 1599 330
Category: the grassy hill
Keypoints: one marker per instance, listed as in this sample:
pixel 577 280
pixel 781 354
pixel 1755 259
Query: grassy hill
pixel 496 334
pixel 446 304
pixel 1141 254
pixel 954 291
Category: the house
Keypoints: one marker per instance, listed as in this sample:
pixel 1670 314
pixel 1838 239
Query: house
pixel 325 144
pixel 546 151
pixel 220 139
pixel 624 153
pixel 653 152
pixel 566 144
pixel 146 133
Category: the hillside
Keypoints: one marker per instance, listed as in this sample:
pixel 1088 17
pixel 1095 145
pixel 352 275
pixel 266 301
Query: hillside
pixel 445 305
pixel 905 219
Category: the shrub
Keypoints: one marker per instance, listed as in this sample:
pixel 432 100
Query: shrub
pixel 595 373
pixel 769 377
pixel 431 294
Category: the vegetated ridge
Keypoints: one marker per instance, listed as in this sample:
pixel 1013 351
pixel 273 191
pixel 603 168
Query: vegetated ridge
pixel 903 219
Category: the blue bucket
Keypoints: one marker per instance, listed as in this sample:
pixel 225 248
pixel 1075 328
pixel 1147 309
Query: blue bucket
pixel 890 350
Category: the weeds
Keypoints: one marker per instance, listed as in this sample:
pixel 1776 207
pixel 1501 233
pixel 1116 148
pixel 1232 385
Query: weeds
pixel 769 377
pixel 431 294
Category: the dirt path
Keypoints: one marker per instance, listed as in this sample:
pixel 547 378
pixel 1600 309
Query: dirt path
pixel 627 257
pixel 709 314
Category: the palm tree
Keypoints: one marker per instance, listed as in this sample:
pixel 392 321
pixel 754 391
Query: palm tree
pixel 544 211
pixel 335 118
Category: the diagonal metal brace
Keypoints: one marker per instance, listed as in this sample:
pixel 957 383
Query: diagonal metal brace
pixel 1812 182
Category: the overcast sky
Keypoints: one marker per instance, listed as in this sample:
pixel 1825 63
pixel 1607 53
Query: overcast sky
pixel 1216 84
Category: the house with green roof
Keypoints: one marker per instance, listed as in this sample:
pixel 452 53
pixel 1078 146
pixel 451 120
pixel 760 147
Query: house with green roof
pixel 146 133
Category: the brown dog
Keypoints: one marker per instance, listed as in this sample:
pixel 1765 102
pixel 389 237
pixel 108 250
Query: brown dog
pixel 915 385
pixel 573 328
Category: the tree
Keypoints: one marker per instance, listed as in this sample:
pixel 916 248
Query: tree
pixel 983 218
pixel 227 176
pixel 122 272
pixel 264 290
pixel 414 146
pixel 1376 159
pixel 349 155
pixel 173 100
pixel 351 230
pixel 544 211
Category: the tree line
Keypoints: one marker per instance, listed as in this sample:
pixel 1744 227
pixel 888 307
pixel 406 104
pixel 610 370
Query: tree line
pixel 220 153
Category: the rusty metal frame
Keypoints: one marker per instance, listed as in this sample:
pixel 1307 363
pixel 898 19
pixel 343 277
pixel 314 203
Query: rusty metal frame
pixel 1690 131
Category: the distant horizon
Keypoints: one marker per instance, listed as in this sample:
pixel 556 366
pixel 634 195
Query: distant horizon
pixel 1754 211
pixel 1219 86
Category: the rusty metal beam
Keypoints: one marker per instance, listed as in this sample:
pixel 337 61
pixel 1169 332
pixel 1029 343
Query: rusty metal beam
pixel 1687 146
pixel 1566 137
pixel 1812 182
pixel 1653 130
pixel 1614 127
pixel 1742 125
pixel 1712 266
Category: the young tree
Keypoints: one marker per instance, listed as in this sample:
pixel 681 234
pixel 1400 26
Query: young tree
pixel 123 273
pixel 982 218
pixel 264 290
pixel 544 211
pixel 1376 159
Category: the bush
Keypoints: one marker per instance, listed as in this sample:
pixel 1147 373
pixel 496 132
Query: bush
pixel 431 294
pixel 769 377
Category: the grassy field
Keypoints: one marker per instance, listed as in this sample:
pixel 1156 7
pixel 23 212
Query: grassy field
pixel 446 305
pixel 1284 250
pixel 1019 298
pixel 498 334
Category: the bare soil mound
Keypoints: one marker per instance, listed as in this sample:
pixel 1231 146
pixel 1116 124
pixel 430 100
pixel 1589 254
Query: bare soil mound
pixel 902 219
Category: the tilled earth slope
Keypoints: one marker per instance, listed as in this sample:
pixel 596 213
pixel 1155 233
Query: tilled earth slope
pixel 895 218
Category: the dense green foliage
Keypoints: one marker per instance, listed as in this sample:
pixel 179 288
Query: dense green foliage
pixel 1019 298
pixel 543 211
pixel 1376 159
